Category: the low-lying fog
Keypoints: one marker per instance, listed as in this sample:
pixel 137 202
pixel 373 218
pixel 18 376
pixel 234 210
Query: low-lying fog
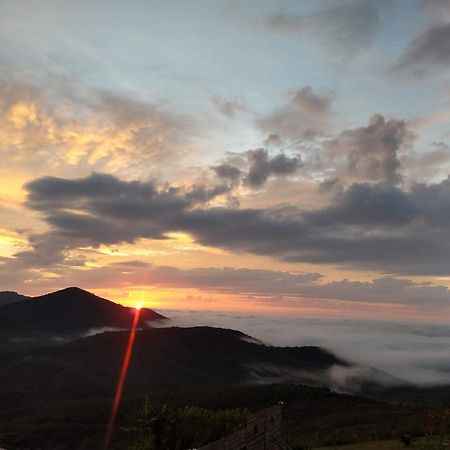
pixel 417 352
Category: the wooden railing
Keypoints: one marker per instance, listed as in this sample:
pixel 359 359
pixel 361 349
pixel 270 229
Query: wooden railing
pixel 262 432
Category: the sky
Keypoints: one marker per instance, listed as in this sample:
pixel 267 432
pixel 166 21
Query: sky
pixel 257 156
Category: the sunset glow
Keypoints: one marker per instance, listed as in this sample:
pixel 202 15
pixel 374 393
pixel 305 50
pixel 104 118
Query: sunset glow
pixel 163 174
pixel 122 378
pixel 207 207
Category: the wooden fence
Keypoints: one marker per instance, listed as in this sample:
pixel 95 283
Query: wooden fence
pixel 262 432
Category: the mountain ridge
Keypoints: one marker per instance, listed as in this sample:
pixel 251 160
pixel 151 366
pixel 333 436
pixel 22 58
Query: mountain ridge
pixel 55 370
pixel 7 297
pixel 72 310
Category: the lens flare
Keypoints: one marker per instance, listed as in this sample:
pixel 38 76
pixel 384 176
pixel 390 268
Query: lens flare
pixel 123 374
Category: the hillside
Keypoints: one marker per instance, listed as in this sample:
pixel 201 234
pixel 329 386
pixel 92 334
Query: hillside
pixel 165 363
pixel 56 385
pixel 164 360
pixel 312 416
pixel 181 358
pixel 71 310
pixel 7 297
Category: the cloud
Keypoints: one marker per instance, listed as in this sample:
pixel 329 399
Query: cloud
pixel 436 6
pixel 372 151
pixel 228 108
pixel 203 194
pixel 261 166
pixel 272 288
pixel 425 166
pixel 339 377
pixel 412 351
pixel 227 171
pixel 303 116
pixel 345 29
pixel 91 210
pixel 256 166
pixel 366 226
pixel 365 204
pixel 428 53
pixel 65 124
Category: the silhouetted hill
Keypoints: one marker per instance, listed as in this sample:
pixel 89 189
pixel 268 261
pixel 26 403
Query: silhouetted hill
pixel 164 360
pixel 7 297
pixel 41 388
pixel 69 389
pixel 45 384
pixel 71 310
pixel 183 358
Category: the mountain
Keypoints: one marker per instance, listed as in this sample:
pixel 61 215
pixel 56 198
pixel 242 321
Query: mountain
pixel 50 386
pixel 164 360
pixel 64 392
pixel 71 310
pixel 7 297
pixel 167 359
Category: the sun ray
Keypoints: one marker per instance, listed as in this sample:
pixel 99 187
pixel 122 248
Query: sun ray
pixel 123 374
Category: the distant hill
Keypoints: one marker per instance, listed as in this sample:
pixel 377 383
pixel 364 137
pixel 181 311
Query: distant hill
pixel 48 367
pixel 201 365
pixel 71 310
pixel 51 394
pixel 184 358
pixel 7 297
pixel 164 360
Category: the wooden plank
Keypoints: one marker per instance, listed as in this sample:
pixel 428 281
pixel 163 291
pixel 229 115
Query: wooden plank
pixel 262 432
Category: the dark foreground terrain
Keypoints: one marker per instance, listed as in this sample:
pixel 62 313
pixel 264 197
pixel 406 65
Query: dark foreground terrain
pixel 57 381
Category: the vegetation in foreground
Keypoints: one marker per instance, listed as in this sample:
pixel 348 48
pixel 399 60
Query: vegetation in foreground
pixel 312 418
pixel 159 426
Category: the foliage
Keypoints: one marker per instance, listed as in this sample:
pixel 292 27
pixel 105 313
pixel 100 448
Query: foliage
pixel 159 426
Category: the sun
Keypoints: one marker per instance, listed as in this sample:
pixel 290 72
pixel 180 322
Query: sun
pixel 139 306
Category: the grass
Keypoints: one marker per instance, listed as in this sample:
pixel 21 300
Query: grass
pixel 424 443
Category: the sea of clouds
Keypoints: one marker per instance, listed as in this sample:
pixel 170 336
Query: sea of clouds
pixel 414 351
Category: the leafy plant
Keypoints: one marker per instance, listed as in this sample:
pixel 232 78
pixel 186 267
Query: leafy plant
pixel 159 426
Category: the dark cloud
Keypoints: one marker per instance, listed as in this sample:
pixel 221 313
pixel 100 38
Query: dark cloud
pixel 434 202
pixel 367 226
pixel 304 115
pixel 203 194
pixel 429 52
pixel 56 191
pixel 345 28
pixel 256 167
pixel 372 151
pixel 262 166
pixel 227 171
pixel 367 205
